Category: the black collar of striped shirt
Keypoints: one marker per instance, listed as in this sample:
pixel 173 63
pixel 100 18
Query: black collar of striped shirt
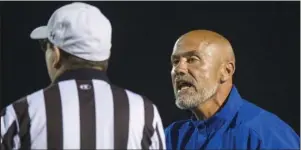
pixel 224 115
pixel 83 74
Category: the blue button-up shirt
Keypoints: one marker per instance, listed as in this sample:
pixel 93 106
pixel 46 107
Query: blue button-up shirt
pixel 238 125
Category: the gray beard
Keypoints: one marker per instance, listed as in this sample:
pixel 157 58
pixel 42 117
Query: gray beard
pixel 192 99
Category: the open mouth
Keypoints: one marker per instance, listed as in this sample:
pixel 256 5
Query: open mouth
pixel 183 85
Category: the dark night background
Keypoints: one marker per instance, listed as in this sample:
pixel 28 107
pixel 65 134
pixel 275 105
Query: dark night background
pixel 265 37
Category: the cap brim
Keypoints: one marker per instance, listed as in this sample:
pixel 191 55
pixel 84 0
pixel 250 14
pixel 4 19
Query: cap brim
pixel 39 33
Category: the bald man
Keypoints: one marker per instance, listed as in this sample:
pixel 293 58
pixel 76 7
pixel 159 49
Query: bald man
pixel 203 67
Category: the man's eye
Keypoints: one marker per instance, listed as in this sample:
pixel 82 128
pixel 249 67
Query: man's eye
pixel 175 62
pixel 192 59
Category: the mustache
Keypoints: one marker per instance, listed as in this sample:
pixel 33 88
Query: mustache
pixel 185 78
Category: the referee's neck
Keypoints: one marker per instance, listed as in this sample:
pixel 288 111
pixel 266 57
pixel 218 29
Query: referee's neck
pixel 78 70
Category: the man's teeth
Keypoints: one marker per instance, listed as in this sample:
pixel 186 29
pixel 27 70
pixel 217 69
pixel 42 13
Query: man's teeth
pixel 183 88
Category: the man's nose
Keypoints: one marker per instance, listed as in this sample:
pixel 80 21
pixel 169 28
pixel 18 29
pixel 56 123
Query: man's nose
pixel 181 68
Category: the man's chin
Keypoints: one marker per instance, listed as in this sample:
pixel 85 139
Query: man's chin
pixel 189 99
pixel 186 104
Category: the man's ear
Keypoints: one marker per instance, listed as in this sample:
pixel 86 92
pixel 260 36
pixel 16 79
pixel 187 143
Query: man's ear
pixel 227 71
pixel 57 57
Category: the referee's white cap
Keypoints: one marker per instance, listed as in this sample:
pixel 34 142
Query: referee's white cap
pixel 79 29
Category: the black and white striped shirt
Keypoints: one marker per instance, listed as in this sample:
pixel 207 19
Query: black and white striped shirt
pixel 82 110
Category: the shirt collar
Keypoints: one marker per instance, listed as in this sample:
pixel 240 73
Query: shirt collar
pixel 83 74
pixel 225 114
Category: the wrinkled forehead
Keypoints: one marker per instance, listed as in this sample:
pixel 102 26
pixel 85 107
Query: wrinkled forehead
pixel 183 46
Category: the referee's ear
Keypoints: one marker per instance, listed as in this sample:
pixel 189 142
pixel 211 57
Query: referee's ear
pixel 57 57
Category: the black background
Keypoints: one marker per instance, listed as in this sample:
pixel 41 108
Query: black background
pixel 265 37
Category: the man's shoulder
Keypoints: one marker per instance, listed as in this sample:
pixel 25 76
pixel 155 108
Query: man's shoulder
pixel 266 125
pixel 258 118
pixel 176 126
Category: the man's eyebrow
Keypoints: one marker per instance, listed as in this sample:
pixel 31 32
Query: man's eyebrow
pixel 189 53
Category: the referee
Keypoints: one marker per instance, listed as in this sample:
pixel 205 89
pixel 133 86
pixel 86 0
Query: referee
pixel 81 109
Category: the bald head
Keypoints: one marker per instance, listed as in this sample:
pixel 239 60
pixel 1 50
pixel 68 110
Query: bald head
pixel 205 62
pixel 205 39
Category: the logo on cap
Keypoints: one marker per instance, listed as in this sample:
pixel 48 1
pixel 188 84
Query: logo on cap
pixel 52 35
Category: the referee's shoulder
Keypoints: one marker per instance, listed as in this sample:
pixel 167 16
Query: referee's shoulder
pixel 21 105
pixel 33 96
pixel 135 95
